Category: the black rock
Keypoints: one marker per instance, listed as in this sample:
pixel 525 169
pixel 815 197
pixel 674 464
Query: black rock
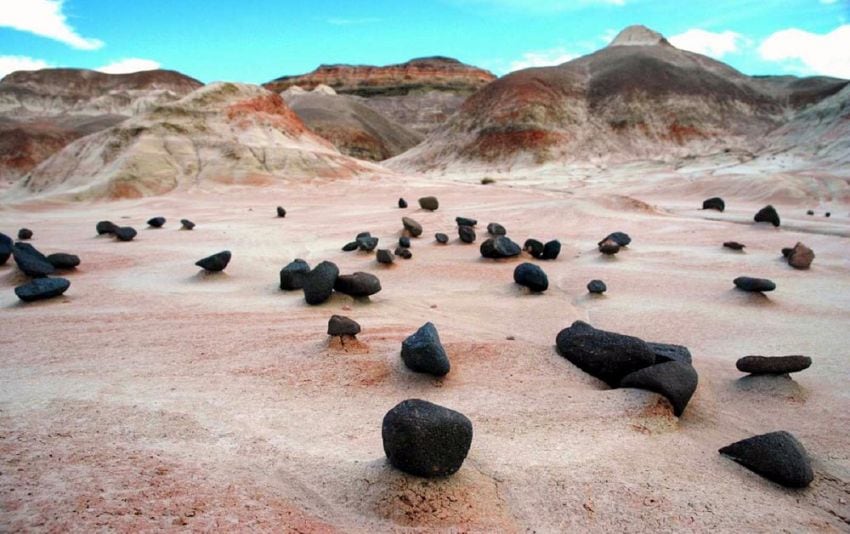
pixel 348 247
pixel 384 256
pixel 496 229
pixel 404 241
pixel 319 283
pixel 754 285
pixel 551 250
pixel 363 234
pixel 422 352
pixel 466 234
pixel 30 261
pixel 531 276
pixel 667 352
pixel 106 227
pixel 429 203
pixel 42 288
pixel 675 380
pixel 216 262
pixel 465 221
pixel 441 238
pixel 358 284
pixel 60 260
pixel 292 276
pixel 339 325
pixel 609 247
pixel 621 238
pixel 412 227
pixel 767 214
pixel 714 203
pixel 402 203
pixel 605 355
pixel 776 456
pixel 24 234
pixel 367 244
pixel 5 248
pixel 124 233
pixel 281 212
pixel 827 214
pixel 499 247
pixel 403 253
pixel 534 247
pixel 425 439
pixel 810 212
pixel 156 222
pixel 187 224
pixel 597 286
pixel 773 365
pixel 734 245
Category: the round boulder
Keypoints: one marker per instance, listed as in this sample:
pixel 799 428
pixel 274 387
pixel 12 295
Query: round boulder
pixel 534 247
pixel 106 227
pixel 429 203
pixel 156 222
pixel 292 275
pixel 318 284
pixel 24 234
pixel 358 284
pixel 499 247
pixel 281 212
pixel 801 256
pixel 124 233
pixel 597 287
pixel 441 238
pixel 6 244
pixel 385 256
pixel 466 234
pixel 531 276
pixel 496 229
pixel 551 250
pixel 767 214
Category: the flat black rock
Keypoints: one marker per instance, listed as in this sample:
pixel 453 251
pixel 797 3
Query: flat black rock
pixel 318 284
pixel 30 261
pixel 609 247
pixel 533 247
pixel 402 203
pixel 42 288
pixel 606 355
pixel 425 439
pixel 754 285
pixel 675 380
pixel 124 233
pixel 466 234
pixel 5 248
pixel 367 244
pixel 773 365
pixel 597 287
pixel 531 276
pixel 465 221
pixel 499 247
pixel 777 456
pixel 412 227
pixel 340 325
pixel 496 229
pixel 551 250
pixel 281 212
pixel 621 238
pixel 186 224
pixel 216 262
pixel 734 245
pixel 24 234
pixel 348 247
pixel 767 214
pixel 292 275
pixel 358 284
pixel 714 203
pixel 61 260
pixel 156 222
pixel 441 238
pixel 422 352
pixel 429 203
pixel 384 256
pixel 106 227
pixel 810 212
pixel 667 352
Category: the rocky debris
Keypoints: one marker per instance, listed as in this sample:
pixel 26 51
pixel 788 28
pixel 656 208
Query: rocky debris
pixel 754 285
pixel 404 253
pixel 609 247
pixel 441 238
pixel 186 224
pixel 30 261
pixel 496 229
pixel 675 380
pixel 429 203
pixel 466 234
pixel 42 288
pixel 367 243
pixel 596 287
pixel 810 212
pixel 827 214
pixel 534 247
pixel 734 245
pixel 621 238
pixel 425 439
pixel 24 234
pixel 498 247
pixel 215 263
pixel 667 352
pixel 773 365
pixel 106 227
pixel 358 284
pixel 348 247
pixel 281 212
pixel 124 233
pixel 714 203
pixel 319 283
pixel 339 325
pixel 402 203
pixel 412 227
pixel 384 256
pixel 767 214
pixel 63 261
pixel 777 456
pixel 156 222
pixel 404 242
pixel 800 257
pixel 422 352
pixel 6 244
pixel 531 276
pixel 551 250
pixel 605 355
pixel 465 221
pixel 292 275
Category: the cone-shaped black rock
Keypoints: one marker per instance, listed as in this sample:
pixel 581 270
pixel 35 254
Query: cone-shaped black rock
pixel 384 256
pixel 776 456
pixel 186 224
pixel 714 203
pixel 216 262
pixel 358 284
pixel 422 352
pixel 281 212
pixel 767 214
pixel 402 203
pixel 675 380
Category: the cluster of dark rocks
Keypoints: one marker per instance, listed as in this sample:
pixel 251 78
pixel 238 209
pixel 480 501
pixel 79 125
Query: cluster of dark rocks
pixel 39 268
pixel 121 233
pixel 612 243
pixel 537 249
pixel 319 283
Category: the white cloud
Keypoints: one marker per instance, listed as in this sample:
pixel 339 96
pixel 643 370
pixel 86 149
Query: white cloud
pixel 12 63
pixel 130 64
pixel 542 58
pixel 810 53
pixel 44 18
pixel 714 44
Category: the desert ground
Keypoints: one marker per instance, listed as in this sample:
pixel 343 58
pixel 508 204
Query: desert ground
pixel 152 396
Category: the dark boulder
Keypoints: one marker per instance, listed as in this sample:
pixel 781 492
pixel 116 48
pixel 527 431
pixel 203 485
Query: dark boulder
pixel 403 253
pixel 6 244
pixel 61 260
pixel 30 261
pixel 605 355
pixel 714 203
pixel 425 439
pixel 429 203
pixel 675 380
pixel 42 288
pixel 767 214
pixel 609 247
pixel 106 227
pixel 402 203
pixel 215 263
pixel 358 284
pixel 412 227
pixel 348 247
pixel 24 234
pixel 124 233
pixel 810 212
pixel 621 238
pixel 597 287
pixel 384 256
pixel 801 256
pixel 773 365
pixel 156 222
pixel 319 283
pixel 531 276
pixel 367 243
pixel 441 238
pixel 777 456
pixel 667 352
pixel 734 245
pixel 339 325
pixel 754 285
pixel 465 221
pixel 404 241
pixel 496 229
pixel 422 352
pixel 186 224
pixel 466 234
pixel 534 247
pixel 281 212
pixel 499 247
pixel 551 250
pixel 292 275
pixel 827 214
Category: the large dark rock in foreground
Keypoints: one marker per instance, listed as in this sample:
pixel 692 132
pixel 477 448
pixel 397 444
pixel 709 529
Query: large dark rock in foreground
pixel 358 284
pixel 531 276
pixel 64 261
pixel 215 263
pixel 767 214
pixel 776 456
pixel 318 284
pixel 498 247
pixel 42 288
pixel 714 203
pixel 773 365
pixel 677 381
pixel 292 276
pixel 425 439
pixel 422 352
pixel 30 261
pixel 5 248
pixel 754 285
pixel 340 325
pixel 606 355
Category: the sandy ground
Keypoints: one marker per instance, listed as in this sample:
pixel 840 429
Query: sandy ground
pixel 154 397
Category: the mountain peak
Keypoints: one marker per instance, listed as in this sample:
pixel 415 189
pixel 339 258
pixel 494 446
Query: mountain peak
pixel 639 35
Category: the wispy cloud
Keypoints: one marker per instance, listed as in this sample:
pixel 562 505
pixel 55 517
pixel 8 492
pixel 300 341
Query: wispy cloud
pixel 44 18
pixel 542 58
pixel 131 64
pixel 714 44
pixel 352 22
pixel 810 53
pixel 12 63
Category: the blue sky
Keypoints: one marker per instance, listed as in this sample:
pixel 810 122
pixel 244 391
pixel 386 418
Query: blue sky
pixel 257 40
